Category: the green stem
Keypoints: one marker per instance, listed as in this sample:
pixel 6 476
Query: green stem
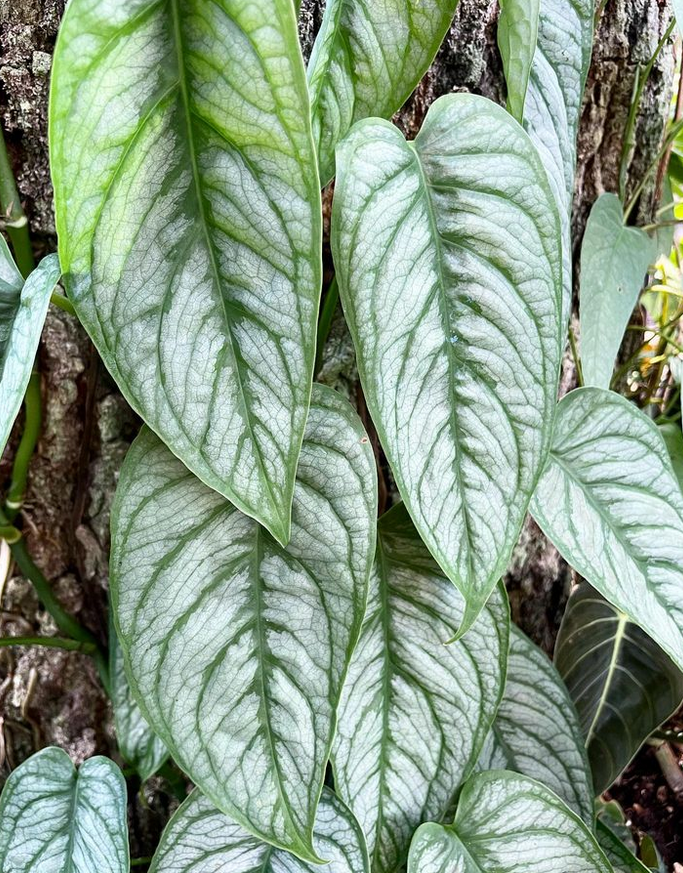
pixel 327 311
pixel 62 302
pixel 668 140
pixel 669 223
pixel 50 643
pixel 575 355
pixel 27 444
pixel 140 862
pixel 13 215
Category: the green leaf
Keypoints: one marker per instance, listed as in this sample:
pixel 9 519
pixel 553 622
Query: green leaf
pixel 609 501
pixel 614 261
pixel 367 59
pixel 622 683
pixel 23 307
pixel 236 648
pixel 189 219
pixel 56 820
pixel 621 859
pixel 200 838
pixel 537 732
pixel 673 437
pixel 517 37
pixel 506 822
pixel 447 256
pixel 414 712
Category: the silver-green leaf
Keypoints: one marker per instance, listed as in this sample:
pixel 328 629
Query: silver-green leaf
pixel 517 37
pixel 614 261
pixel 367 58
pixel 236 647
pixel 54 819
pixel 23 307
pixel 189 219
pixel 447 251
pixel 609 501
pixel 200 839
pixel 414 711
pixel 506 822
pixel 673 437
pixel 623 685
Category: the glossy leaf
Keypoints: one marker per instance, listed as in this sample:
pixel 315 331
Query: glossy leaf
pixel 621 859
pixel 537 732
pixel 56 820
pixel 517 37
pixel 622 683
pixel 236 648
pixel 189 220
pixel 447 256
pixel 367 59
pixel 23 307
pixel 614 262
pixel 506 822
pixel 414 712
pixel 609 501
pixel 200 839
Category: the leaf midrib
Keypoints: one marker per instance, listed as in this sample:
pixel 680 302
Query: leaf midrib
pixel 618 642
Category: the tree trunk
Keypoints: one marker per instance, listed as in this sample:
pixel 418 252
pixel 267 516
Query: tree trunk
pixel 48 696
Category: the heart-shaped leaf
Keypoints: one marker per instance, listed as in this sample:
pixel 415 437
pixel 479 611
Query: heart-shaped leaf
pixel 23 307
pixel 236 647
pixel 624 686
pixel 200 839
pixel 507 822
pixel 414 712
pixel 517 36
pixel 53 818
pixel 537 732
pixel 447 252
pixel 189 218
pixel 621 859
pixel 609 501
pixel 366 60
pixel 614 261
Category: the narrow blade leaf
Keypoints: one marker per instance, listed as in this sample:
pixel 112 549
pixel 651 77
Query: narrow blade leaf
pixel 621 859
pixel 53 818
pixel 189 219
pixel 367 59
pixel 200 838
pixel 624 686
pixel 517 36
pixel 414 712
pixel 609 501
pixel 511 823
pixel 236 648
pixel 447 255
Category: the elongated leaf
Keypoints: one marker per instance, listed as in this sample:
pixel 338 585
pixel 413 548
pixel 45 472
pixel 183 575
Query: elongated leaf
pixel 614 261
pixel 236 647
pixel 622 683
pixel 447 255
pixel 189 219
pixel 414 712
pixel 621 859
pixel 537 732
pixel 23 307
pixel 200 839
pixel 609 501
pixel 56 820
pixel 517 37
pixel 367 58
pixel 511 823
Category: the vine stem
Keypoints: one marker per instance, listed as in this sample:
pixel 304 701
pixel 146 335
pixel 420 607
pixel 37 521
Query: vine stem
pixel 14 218
pixel 27 444
pixel 50 643
pixel 327 311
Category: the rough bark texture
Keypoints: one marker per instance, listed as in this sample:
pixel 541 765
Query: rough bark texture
pixel 53 697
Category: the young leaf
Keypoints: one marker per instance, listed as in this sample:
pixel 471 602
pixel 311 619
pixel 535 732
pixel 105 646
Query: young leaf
pixel 537 731
pixel 511 823
pixel 621 859
pixel 414 712
pixel 622 683
pixel 200 838
pixel 236 648
pixel 189 218
pixel 23 307
pixel 367 59
pixel 517 36
pixel 53 818
pixel 609 501
pixel 614 261
pixel 447 256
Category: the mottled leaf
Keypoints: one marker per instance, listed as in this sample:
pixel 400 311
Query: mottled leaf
pixel 414 712
pixel 624 686
pixel 189 220
pixel 517 36
pixel 447 253
pixel 56 820
pixel 621 859
pixel 236 648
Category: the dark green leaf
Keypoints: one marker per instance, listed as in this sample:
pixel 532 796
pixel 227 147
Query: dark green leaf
pixel 673 437
pixel 517 36
pixel 618 855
